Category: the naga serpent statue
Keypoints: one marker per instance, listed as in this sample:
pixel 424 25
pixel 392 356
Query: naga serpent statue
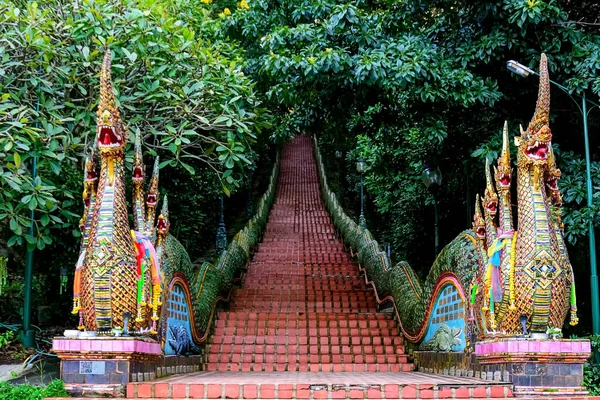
pixel 498 279
pixel 120 270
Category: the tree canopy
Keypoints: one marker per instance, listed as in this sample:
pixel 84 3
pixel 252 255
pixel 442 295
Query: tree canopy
pixel 209 84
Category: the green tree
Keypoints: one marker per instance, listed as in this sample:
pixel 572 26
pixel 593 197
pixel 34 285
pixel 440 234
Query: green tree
pixel 177 83
pixel 409 83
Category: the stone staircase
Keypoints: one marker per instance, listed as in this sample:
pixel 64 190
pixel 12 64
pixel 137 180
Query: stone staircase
pixel 303 306
pixel 304 324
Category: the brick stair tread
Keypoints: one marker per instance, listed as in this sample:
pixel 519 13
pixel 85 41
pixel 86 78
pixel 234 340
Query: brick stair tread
pixel 272 385
pixel 303 316
pixel 313 397
pixel 306 349
pixel 309 368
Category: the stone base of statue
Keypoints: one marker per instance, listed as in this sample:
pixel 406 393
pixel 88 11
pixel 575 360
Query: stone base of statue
pixel 535 366
pixel 103 366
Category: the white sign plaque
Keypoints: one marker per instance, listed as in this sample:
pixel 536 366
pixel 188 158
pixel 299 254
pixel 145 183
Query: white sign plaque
pixel 92 367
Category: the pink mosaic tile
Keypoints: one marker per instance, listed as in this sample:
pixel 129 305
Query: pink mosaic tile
pixel 586 347
pixel 534 347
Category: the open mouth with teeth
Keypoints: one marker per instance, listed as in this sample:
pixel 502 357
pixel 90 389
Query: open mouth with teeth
pixel 91 176
pixel 480 232
pixel 108 137
pixel 504 181
pixel 151 199
pixel 552 184
pixel 161 226
pixel 491 207
pixel 138 174
pixel 537 151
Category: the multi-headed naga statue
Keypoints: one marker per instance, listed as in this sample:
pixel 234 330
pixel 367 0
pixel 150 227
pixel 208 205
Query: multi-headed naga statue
pixel 121 270
pixel 510 277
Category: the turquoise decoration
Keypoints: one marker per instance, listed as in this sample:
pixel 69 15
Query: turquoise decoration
pixel 450 310
pixel 178 321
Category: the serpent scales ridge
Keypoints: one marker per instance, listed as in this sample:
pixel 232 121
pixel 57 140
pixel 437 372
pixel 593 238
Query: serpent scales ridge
pixel 494 277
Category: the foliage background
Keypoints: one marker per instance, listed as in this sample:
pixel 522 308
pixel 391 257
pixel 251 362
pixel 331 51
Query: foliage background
pixel 176 82
pixel 400 83
pixel 409 83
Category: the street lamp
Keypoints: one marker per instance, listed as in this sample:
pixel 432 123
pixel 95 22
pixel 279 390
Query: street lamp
pixel 519 69
pixel 524 71
pixel 361 168
pixel 221 242
pixel 432 178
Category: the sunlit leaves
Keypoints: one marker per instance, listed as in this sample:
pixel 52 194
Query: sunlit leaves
pixel 185 92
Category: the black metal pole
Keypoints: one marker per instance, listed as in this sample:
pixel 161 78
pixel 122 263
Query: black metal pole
pixel 437 232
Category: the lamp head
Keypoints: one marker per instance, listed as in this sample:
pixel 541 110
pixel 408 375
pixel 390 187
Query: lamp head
pixel 519 68
pixel 431 176
pixel 361 166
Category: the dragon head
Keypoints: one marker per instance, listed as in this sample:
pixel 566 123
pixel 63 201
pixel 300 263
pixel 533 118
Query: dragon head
pixel 478 221
pixel 551 180
pixel 138 162
pixel 163 224
pixel 503 173
pixel 110 133
pixel 90 178
pixel 535 142
pixel 152 195
pixel 490 198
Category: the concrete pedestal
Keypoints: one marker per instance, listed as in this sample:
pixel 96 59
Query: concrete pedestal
pixel 103 366
pixel 536 367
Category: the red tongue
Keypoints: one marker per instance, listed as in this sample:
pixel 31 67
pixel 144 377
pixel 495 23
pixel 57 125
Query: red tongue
pixel 505 181
pixel 542 152
pixel 106 139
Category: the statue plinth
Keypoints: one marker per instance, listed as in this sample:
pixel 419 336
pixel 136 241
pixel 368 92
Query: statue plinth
pixel 103 366
pixel 534 366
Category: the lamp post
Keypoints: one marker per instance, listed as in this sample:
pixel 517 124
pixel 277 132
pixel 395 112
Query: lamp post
pixel 26 334
pixel 524 72
pixel 432 178
pixel 361 167
pixel 221 242
pixel 249 205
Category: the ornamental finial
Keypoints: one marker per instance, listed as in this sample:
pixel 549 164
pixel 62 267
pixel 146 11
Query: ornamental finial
pixel 152 199
pixel 539 126
pixel 138 160
pixel 490 198
pixel 488 176
pixel 110 134
pixel 163 224
pixel 505 156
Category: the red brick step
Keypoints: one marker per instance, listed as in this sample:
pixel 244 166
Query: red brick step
pixel 318 385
